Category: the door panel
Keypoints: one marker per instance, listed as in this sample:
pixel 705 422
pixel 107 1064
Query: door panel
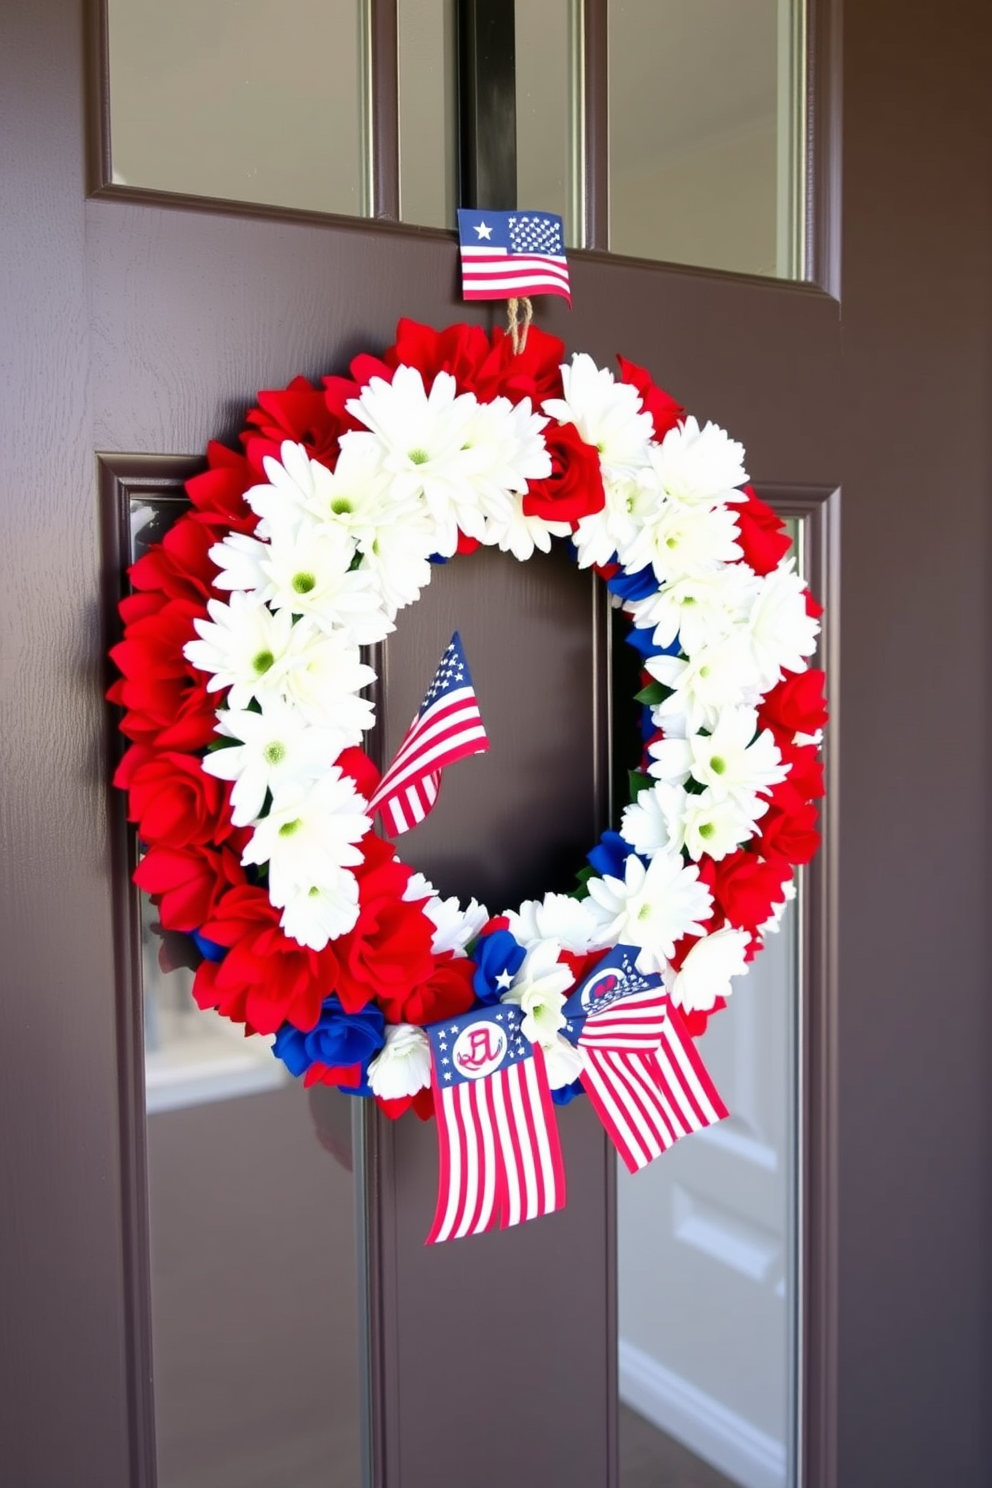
pixel 147 328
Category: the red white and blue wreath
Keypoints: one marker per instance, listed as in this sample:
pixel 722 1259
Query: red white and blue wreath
pixel 243 685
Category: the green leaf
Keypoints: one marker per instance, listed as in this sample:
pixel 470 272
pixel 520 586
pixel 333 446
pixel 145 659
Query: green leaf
pixel 638 782
pixel 653 694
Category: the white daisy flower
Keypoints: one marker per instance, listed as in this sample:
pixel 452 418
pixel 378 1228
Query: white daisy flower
pixel 556 917
pixel 275 746
pixel 718 677
pixel 317 915
pixel 311 574
pixel 734 760
pixel 699 465
pixel 454 927
pixel 652 907
pixel 240 559
pixel 503 449
pixel 295 484
pixel 602 534
pixel 322 676
pixel 713 826
pixel 244 647
pixel 780 632
pixel 396 556
pixel 540 989
pixel 651 823
pixel 562 1061
pixel 357 496
pixel 421 440
pixel 707 970
pixel 774 922
pixel 520 535
pixel 608 414
pixel 309 836
pixel 683 541
pixel 698 610
pixel 403 1065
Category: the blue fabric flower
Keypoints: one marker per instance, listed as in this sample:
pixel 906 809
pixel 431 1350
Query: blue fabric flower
pixel 208 949
pixel 634 585
pixel 339 1039
pixel 566 1093
pixel 643 643
pixel 609 855
pixel 498 957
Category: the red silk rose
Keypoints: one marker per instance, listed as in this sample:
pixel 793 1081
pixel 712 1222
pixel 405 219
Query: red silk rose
pixel 762 535
pixel 574 489
pixel 445 993
pixel 188 883
pixel 265 979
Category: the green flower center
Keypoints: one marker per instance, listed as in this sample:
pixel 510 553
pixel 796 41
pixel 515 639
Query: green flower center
pixel 704 671
pixel 419 456
pixel 274 753
pixel 644 911
pixel 340 505
pixel 288 828
pixel 718 764
pixel 261 662
pixel 706 830
pixel 304 582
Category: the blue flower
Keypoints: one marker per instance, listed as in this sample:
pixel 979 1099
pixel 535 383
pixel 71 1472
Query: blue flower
pixel 498 957
pixel 339 1039
pixel 208 949
pixel 609 855
pixel 566 1093
pixel 643 643
pixel 634 585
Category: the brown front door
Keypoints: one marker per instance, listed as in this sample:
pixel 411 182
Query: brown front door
pixel 141 327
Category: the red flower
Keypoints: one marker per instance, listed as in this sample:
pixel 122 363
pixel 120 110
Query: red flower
pixel 188 882
pixel 459 350
pixel 696 1021
pixel 796 704
pixel 445 993
pixel 179 565
pixel 574 489
pixel 422 1103
pixel 355 763
pixel 304 414
pixel 218 494
pixel 389 949
pixel 172 798
pixel 332 1074
pixel 166 699
pixel 534 372
pixel 265 979
pixel 762 535
pixel 746 888
pixel 791 835
pixel 662 407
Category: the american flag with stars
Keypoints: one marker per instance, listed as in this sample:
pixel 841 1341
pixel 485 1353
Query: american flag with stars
pixel 500 1157
pixel 508 255
pixel 447 727
pixel 640 1067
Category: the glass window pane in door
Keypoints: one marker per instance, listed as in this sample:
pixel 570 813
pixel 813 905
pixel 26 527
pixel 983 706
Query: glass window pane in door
pixel 428 110
pixel 254 1195
pixel 246 100
pixel 707 1246
pixel 706 133
pixel 547 82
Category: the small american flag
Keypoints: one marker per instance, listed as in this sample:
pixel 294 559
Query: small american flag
pixel 508 255
pixel 500 1157
pixel 447 728
pixel 640 1068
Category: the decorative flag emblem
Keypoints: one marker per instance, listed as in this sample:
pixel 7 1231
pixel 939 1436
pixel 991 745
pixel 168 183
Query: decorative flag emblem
pixel 447 728
pixel 640 1066
pixel 508 255
pixel 500 1158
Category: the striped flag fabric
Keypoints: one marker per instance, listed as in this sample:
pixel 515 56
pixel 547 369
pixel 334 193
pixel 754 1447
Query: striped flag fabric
pixel 500 1157
pixel 507 255
pixel 447 727
pixel 641 1068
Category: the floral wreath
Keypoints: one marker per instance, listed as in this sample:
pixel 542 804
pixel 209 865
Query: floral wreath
pixel 242 687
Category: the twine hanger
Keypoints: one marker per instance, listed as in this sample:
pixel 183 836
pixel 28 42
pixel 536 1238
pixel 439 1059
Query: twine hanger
pixel 519 314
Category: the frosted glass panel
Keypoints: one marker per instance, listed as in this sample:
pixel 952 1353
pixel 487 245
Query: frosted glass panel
pixel 248 100
pixel 706 132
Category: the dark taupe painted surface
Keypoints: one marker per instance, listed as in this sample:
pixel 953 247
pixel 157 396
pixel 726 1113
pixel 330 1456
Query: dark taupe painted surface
pixel 147 327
